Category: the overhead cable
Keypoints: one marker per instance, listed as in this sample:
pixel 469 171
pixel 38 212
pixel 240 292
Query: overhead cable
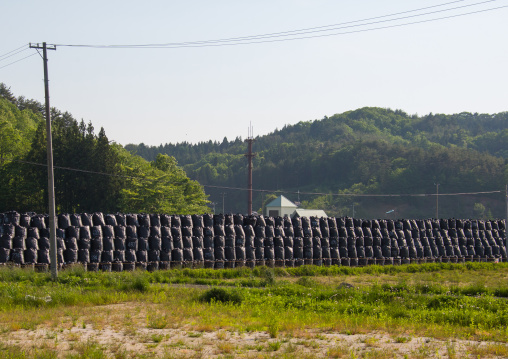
pixel 269 191
pixel 23 58
pixel 290 35
pixel 14 54
pixel 77 170
pixel 19 48
pixel 357 194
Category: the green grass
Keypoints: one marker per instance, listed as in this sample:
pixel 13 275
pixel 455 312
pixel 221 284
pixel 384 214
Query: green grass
pixel 15 352
pixel 136 280
pixel 402 339
pixel 156 321
pixel 222 295
pixel 274 346
pixel 439 300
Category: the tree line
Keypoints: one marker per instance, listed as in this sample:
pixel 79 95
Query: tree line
pixel 366 151
pixel 91 173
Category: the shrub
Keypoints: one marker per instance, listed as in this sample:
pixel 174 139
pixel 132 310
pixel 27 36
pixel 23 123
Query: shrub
pixel 222 295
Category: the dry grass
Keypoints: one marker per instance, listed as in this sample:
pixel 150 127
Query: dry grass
pixel 176 343
pixel 224 347
pixel 488 350
pixel 338 351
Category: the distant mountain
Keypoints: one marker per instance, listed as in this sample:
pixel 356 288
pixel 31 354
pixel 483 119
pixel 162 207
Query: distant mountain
pixel 366 151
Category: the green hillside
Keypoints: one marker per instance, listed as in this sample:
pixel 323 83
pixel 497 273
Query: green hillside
pixel 366 151
pixel 91 174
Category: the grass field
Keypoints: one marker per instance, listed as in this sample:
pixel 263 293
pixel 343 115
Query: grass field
pixel 412 311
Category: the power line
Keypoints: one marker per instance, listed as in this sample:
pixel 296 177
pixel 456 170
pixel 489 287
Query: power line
pixel 12 63
pixel 334 25
pixel 88 171
pixel 340 25
pixel 266 190
pixel 14 54
pixel 77 169
pixel 356 194
pixel 339 33
pixel 273 37
pixel 7 53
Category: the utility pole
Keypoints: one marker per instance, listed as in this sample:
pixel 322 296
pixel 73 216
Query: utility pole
pixel 223 194
pixel 250 156
pixel 51 181
pixel 263 203
pixel 437 200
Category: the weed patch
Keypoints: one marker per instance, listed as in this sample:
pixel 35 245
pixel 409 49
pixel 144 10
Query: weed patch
pixel 274 346
pixel 156 321
pixel 222 295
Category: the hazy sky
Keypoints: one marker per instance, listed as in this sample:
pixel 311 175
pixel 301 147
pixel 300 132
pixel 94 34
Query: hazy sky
pixel 200 93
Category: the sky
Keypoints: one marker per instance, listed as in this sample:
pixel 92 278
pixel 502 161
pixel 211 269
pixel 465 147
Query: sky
pixel 200 93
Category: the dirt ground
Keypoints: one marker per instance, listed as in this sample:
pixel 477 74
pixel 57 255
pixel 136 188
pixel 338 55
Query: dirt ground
pixel 138 340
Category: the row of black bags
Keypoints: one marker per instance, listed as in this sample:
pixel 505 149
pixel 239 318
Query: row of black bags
pixel 208 220
pixel 230 240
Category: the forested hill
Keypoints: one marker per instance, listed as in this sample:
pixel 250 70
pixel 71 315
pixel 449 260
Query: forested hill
pixel 91 174
pixel 366 151
pixel 481 132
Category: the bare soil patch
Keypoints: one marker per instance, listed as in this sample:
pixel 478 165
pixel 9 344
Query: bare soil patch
pixel 123 331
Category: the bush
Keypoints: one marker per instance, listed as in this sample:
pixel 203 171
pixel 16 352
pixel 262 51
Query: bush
pixel 222 295
pixel 139 283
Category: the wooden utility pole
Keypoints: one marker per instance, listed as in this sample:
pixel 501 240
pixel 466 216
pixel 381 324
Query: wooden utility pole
pixel 223 195
pixel 250 156
pixel 51 181
pixel 437 200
